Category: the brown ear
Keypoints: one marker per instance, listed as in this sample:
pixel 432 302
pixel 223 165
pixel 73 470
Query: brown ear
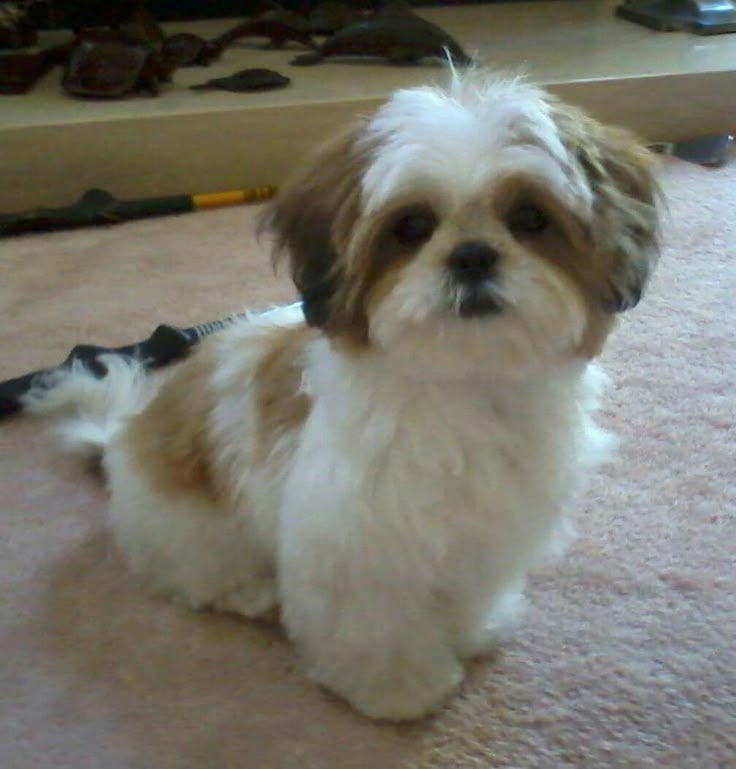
pixel 625 228
pixel 310 218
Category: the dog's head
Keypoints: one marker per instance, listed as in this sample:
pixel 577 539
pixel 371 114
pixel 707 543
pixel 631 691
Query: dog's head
pixel 482 227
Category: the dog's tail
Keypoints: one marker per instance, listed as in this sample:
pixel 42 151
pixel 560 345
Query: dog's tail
pixel 97 406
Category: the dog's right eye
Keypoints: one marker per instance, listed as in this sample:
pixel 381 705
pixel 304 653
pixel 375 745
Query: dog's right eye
pixel 415 227
pixel 527 219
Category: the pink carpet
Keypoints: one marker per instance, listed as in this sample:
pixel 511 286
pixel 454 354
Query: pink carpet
pixel 626 658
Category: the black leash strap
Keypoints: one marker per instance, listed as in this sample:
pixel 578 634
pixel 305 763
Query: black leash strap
pixel 166 345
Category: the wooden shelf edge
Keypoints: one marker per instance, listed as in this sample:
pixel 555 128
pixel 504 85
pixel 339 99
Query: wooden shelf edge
pixel 51 165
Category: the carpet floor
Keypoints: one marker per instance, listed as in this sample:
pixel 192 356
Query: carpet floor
pixel 625 659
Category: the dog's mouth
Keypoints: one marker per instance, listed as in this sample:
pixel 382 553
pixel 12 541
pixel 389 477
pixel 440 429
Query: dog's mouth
pixel 477 301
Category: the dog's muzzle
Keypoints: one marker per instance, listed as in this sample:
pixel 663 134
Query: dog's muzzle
pixel 473 272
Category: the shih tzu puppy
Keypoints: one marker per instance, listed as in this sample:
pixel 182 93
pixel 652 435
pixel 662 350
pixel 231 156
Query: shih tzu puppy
pixel 384 462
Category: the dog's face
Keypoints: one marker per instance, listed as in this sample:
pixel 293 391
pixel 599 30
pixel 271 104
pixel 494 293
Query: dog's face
pixel 480 229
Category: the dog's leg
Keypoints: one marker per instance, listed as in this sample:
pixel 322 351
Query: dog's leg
pixel 480 622
pixel 366 635
pixel 257 598
pixel 184 547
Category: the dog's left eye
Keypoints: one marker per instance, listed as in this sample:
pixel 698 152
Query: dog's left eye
pixel 527 219
pixel 415 227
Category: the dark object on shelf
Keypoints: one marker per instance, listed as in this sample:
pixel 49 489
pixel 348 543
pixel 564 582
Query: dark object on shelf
pixel 16 26
pixel 188 50
pixel 78 15
pixel 278 25
pixel 245 80
pixel 19 72
pixel 396 7
pixel 140 24
pixel 703 17
pixel 97 207
pixel 330 16
pixel 705 150
pixel 109 65
pixel 400 38
pixel 166 345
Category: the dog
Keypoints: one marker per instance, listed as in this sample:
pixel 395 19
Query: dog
pixel 382 463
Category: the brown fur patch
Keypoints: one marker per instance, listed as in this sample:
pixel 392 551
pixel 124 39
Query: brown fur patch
pixel 567 245
pixel 312 219
pixel 281 407
pixel 625 230
pixel 599 326
pixel 372 255
pixel 609 259
pixel 169 441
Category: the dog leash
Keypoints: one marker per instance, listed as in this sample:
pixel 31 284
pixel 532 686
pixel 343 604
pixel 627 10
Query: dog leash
pixel 167 344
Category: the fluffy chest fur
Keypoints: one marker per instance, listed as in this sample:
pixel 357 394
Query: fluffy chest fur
pixel 426 468
pixel 302 435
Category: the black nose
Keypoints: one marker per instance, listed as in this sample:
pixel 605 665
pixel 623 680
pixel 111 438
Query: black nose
pixel 472 262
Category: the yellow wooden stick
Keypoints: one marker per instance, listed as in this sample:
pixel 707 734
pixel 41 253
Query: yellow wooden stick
pixel 233 197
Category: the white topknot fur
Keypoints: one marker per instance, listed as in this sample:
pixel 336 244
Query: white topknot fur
pixel 420 129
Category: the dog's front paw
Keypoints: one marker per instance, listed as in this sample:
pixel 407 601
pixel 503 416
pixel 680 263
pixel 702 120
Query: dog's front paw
pixel 256 600
pixel 402 693
pixel 481 636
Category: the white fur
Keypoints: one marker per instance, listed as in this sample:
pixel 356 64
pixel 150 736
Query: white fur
pixel 412 511
pixel 106 403
pixel 395 527
pixel 452 141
